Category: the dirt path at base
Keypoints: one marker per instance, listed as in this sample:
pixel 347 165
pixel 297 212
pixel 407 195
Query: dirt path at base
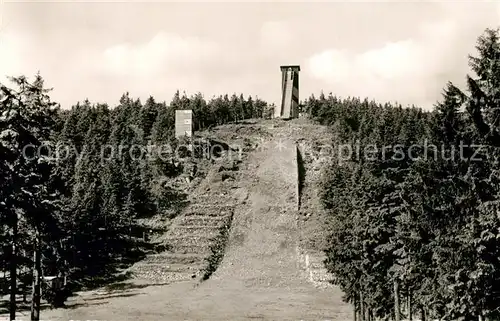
pixel 259 278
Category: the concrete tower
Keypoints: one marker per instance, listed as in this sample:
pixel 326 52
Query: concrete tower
pixel 289 107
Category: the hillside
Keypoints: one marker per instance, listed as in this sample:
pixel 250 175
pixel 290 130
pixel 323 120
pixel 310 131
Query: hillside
pixel 260 275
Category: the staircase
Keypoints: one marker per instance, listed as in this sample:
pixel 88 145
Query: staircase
pixel 188 241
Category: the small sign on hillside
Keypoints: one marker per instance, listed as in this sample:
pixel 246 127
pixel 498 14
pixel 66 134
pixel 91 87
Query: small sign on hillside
pixel 183 123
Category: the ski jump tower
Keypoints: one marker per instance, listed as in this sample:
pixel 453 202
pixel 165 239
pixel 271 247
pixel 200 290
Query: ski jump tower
pixel 289 93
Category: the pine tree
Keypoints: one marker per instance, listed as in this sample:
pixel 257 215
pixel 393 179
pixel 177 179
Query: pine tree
pixel 27 123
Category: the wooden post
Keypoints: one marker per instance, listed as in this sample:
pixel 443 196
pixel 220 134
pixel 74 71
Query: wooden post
pixel 397 311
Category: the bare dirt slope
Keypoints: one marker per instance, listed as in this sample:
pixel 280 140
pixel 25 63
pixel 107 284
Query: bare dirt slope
pixel 260 276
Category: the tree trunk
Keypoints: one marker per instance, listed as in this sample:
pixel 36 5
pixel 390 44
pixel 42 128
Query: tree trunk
pixel 397 311
pixel 37 267
pixel 422 313
pixel 361 307
pixel 13 270
pixel 73 249
pixel 21 275
pixel 410 317
pixel 355 308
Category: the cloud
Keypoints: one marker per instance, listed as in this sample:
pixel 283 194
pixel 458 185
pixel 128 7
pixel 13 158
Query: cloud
pixel 158 67
pixel 401 70
pixel 331 65
pixel 164 53
pixel 275 35
pixel 11 50
pixel 101 55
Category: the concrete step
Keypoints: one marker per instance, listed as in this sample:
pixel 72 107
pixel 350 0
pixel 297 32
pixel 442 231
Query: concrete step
pixel 211 198
pixel 161 276
pixel 203 248
pixel 218 203
pixel 202 220
pixel 320 271
pixel 208 218
pixel 316 265
pixel 208 211
pixel 177 267
pixel 214 202
pixel 176 258
pixel 192 232
pixel 316 260
pixel 186 230
pixel 321 276
pixel 188 239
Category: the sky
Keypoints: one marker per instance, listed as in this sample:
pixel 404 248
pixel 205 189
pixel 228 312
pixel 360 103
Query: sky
pixel 387 51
